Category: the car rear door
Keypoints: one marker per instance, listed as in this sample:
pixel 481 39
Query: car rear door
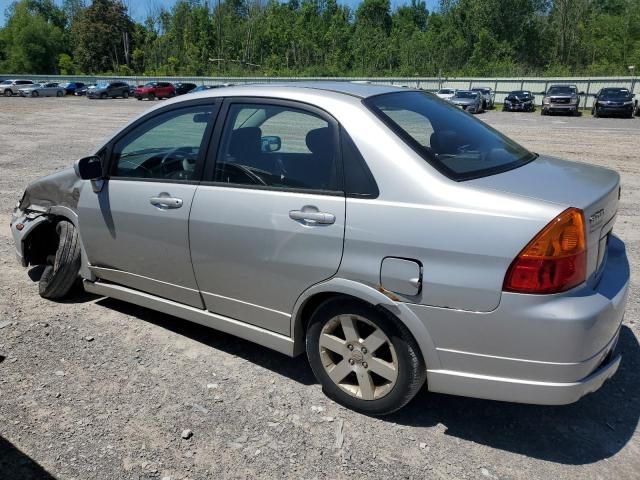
pixel 268 220
pixel 135 226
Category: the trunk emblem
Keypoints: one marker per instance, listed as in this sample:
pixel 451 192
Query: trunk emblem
pixel 596 218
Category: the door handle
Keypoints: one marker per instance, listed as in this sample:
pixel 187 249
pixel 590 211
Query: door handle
pixel 320 218
pixel 165 201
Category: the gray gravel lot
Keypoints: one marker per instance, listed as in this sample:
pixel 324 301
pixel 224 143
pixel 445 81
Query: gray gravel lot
pixel 98 389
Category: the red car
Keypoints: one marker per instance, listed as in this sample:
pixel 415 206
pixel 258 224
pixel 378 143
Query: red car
pixel 153 90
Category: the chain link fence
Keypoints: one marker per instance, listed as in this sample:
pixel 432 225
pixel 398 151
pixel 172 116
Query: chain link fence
pixel 501 86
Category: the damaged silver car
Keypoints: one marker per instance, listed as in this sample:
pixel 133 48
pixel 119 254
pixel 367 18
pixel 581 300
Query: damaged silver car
pixel 395 239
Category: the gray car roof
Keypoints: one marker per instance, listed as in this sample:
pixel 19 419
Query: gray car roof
pixel 361 90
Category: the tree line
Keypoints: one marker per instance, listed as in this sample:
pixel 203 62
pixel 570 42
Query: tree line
pixel 323 38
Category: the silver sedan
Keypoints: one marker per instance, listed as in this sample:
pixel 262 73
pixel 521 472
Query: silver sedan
pixel 472 102
pixel 50 89
pixel 396 240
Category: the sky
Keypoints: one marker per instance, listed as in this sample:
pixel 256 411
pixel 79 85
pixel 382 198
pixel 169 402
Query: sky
pixel 139 7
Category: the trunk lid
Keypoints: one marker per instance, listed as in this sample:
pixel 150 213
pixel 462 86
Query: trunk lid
pixel 595 190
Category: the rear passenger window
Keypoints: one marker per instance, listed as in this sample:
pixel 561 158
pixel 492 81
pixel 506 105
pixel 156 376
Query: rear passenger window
pixel 275 146
pixel 358 180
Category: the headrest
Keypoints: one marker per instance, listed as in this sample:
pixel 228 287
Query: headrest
pixel 319 139
pixel 245 141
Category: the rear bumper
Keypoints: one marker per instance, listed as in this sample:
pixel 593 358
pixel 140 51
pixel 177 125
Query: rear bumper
pixel 545 349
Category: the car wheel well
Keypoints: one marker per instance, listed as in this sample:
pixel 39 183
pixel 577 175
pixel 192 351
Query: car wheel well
pixel 313 303
pixel 41 242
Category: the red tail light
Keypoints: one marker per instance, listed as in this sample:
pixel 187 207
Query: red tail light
pixel 555 260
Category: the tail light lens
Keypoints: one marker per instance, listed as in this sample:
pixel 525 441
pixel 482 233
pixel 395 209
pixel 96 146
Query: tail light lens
pixel 555 260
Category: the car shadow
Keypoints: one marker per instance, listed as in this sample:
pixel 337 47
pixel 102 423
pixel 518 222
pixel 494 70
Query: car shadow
pixel 593 429
pixel 297 369
pixel 14 464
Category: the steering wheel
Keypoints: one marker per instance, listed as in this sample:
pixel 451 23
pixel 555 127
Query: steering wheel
pixel 243 172
pixel 174 155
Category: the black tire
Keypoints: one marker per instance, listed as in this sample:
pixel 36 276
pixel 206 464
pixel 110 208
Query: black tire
pixel 411 370
pixel 35 94
pixel 62 268
pixel 151 97
pixel 8 93
pixel 103 95
pixel 596 114
pixel 59 94
pixel 125 95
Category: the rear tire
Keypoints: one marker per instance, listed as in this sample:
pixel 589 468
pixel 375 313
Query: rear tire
pixel 125 95
pixel 62 268
pixel 397 370
pixel 8 93
pixel 103 96
pixel 151 97
pixel 35 94
pixel 59 94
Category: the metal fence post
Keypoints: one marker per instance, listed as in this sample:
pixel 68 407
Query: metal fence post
pixel 587 95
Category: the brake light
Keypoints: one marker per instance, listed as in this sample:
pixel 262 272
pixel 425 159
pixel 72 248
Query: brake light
pixel 555 260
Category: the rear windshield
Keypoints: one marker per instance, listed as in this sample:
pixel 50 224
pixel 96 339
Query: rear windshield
pixel 466 94
pixel 454 142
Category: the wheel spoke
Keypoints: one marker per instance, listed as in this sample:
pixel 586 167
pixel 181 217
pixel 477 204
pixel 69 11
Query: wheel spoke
pixel 385 369
pixel 339 371
pixel 349 329
pixel 365 382
pixel 375 340
pixel 333 343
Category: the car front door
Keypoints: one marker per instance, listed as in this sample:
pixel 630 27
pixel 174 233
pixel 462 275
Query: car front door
pixel 135 228
pixel 268 220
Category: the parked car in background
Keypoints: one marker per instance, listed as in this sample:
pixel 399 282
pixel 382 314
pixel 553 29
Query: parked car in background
pixel 446 93
pixel 12 87
pixel 517 293
pixel 51 89
pixel 183 87
pixel 109 90
pixel 153 90
pixel 468 100
pixel 612 101
pixel 519 101
pixel 561 99
pixel 83 90
pixel 71 87
pixel 488 97
pixel 202 88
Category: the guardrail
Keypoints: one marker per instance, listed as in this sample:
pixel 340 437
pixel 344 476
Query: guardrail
pixel 501 86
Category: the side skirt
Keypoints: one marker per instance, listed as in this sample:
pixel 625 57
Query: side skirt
pixel 266 338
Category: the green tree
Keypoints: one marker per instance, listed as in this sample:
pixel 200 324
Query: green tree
pixel 103 33
pixel 31 43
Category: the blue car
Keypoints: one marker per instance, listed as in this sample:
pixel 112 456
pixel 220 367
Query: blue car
pixel 71 87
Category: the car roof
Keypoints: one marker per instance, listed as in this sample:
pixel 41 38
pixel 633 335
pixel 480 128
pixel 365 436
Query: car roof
pixel 360 90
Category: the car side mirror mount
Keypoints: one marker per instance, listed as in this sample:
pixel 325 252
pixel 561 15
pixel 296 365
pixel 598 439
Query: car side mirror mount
pixel 270 143
pixel 89 168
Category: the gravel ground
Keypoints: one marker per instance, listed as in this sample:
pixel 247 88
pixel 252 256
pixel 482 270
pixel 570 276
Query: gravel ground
pixel 96 388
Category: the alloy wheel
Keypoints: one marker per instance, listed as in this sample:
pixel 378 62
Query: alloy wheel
pixel 358 357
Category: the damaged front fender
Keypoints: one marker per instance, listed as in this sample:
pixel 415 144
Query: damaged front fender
pixel 60 189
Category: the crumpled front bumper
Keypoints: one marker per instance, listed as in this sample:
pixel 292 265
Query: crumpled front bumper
pixel 22 224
